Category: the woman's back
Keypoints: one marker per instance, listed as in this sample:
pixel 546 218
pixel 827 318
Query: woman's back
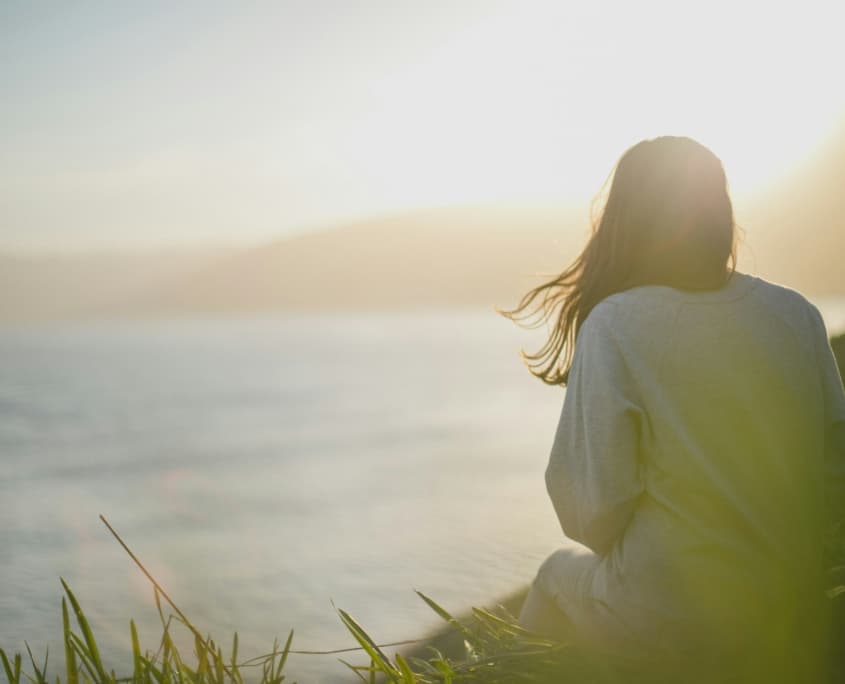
pixel 690 456
pixel 703 422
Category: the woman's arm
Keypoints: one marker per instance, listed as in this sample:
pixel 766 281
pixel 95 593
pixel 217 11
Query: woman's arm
pixel 834 403
pixel 593 476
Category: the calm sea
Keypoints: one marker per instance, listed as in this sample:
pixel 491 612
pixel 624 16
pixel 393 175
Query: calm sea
pixel 264 467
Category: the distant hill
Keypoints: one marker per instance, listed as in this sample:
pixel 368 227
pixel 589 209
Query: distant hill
pixel 469 257
pixel 464 257
pixel 431 259
pixel 50 288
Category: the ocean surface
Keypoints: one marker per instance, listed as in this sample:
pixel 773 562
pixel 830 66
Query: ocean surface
pixel 263 468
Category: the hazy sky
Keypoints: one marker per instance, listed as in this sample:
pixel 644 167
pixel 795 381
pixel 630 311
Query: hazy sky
pixel 145 123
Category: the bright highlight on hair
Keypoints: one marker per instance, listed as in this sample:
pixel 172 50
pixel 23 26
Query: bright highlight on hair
pixel 667 220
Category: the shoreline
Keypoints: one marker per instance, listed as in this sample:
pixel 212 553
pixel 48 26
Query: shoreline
pixel 449 641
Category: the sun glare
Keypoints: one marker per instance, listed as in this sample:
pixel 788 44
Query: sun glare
pixel 497 102
pixel 543 104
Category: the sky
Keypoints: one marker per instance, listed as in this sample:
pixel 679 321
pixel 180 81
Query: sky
pixel 145 124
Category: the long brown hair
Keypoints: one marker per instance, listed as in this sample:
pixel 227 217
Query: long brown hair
pixel 666 220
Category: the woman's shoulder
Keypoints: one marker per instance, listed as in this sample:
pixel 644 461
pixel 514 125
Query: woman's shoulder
pixel 636 307
pixel 789 302
pixel 651 310
pixel 621 317
pixel 780 290
pixel 740 288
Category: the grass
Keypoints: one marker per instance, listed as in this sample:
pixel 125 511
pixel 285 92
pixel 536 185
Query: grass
pixel 495 646
pixel 495 650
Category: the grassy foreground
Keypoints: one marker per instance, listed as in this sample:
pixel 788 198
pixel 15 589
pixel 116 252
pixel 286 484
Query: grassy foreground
pixel 497 650
pixel 485 647
pixel 494 649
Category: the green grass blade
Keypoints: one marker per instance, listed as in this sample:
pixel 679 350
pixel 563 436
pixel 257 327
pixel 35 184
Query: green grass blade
pixel 70 654
pixel 151 672
pixel 356 669
pixel 234 673
pixel 485 615
pixel 136 653
pixel 219 668
pixel 82 652
pixel 166 671
pixel 93 651
pixel 12 675
pixel 157 597
pixel 370 646
pixel 40 673
pixel 202 653
pixel 284 658
pixel 407 674
pixel 443 613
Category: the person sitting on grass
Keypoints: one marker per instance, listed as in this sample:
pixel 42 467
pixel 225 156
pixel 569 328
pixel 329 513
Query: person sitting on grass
pixel 701 447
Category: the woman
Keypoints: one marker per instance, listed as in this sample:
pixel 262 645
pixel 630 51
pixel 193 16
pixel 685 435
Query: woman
pixel 704 417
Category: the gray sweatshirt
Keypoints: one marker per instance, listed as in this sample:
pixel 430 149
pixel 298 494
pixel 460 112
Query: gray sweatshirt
pixel 699 433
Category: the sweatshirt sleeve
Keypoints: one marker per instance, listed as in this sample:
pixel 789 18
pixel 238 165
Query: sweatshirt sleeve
pixel 834 415
pixel 593 476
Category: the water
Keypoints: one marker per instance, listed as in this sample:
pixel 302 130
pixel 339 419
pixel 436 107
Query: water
pixel 263 467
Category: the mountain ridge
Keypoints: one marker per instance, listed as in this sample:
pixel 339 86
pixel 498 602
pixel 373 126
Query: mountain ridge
pixel 793 233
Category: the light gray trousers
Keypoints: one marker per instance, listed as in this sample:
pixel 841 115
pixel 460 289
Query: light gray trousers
pixel 556 597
